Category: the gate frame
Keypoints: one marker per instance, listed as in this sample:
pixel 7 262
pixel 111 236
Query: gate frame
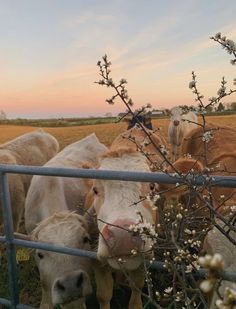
pixel 11 242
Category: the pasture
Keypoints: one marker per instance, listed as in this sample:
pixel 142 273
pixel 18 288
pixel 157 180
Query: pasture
pixel 105 132
pixel 29 281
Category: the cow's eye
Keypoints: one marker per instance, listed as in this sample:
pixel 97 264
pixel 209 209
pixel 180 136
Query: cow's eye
pixel 86 240
pixel 95 190
pixel 40 255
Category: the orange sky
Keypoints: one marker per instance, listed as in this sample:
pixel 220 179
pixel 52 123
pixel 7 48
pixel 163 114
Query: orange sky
pixel 48 54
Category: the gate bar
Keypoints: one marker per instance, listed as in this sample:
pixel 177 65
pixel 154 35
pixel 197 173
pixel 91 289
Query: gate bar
pixel 222 181
pixel 230 276
pixel 9 237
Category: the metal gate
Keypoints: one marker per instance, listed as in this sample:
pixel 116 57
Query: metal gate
pixel 11 242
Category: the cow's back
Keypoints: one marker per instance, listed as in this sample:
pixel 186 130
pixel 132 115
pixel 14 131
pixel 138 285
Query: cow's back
pixel 34 148
pixel 190 122
pixel 137 139
pixel 224 140
pixel 48 195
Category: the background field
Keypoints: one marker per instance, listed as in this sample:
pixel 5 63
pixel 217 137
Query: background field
pixel 105 132
pixel 28 279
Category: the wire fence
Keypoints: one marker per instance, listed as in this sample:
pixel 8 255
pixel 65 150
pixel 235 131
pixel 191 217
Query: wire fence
pixel 11 242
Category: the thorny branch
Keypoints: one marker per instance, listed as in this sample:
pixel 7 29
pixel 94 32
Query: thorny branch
pixel 182 225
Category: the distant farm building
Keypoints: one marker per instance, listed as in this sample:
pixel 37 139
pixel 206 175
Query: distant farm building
pixel 154 113
pixel 157 112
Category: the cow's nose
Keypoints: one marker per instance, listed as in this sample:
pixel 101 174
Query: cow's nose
pixel 66 284
pixel 70 287
pixel 120 240
pixel 176 122
pixel 110 230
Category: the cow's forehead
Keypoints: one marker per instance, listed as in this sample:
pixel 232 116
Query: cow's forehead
pixel 60 227
pixel 125 162
pixel 66 233
pixel 176 111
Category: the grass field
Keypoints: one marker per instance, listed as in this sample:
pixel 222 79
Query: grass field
pixel 28 279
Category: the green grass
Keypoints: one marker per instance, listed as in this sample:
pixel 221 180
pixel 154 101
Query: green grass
pixel 61 122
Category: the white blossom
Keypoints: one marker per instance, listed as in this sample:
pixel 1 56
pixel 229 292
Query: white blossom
pixel 233 208
pixel 168 290
pixel 207 136
pixel 179 216
pixel 206 285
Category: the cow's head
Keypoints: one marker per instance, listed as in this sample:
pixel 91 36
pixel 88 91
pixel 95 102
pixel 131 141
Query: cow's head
pixel 64 278
pixel 118 207
pixel 175 115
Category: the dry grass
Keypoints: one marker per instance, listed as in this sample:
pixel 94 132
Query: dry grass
pixel 105 132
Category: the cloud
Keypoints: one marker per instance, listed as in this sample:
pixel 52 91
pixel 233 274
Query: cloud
pixel 88 17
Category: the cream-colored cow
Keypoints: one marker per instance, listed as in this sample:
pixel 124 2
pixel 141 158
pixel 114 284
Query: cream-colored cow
pixel 180 125
pixel 118 208
pixel 48 201
pixel 34 148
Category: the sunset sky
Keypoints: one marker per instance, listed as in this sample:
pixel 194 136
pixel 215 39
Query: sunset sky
pixel 49 50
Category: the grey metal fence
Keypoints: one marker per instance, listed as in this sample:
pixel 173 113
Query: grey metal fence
pixel 11 242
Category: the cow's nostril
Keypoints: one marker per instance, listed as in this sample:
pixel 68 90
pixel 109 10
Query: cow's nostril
pixel 60 286
pixel 176 122
pixel 79 280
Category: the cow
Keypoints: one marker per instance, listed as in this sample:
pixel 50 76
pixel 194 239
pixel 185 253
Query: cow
pixel 118 208
pixel 49 203
pixel 197 216
pixel 219 156
pixel 137 140
pixel 180 125
pixel 221 139
pixel 212 151
pixel 34 148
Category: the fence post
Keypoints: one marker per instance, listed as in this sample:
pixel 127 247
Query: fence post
pixel 9 233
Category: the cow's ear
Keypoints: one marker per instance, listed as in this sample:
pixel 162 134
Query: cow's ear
pixel 91 219
pixel 185 165
pixel 198 166
pixel 88 182
pixel 82 221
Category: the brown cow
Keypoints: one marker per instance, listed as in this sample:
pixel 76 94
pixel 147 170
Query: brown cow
pixel 137 139
pixel 222 139
pixel 216 157
pixel 220 157
pixel 34 148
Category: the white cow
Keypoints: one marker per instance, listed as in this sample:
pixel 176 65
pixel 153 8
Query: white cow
pixel 180 125
pixel 63 277
pixel 34 148
pixel 118 207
